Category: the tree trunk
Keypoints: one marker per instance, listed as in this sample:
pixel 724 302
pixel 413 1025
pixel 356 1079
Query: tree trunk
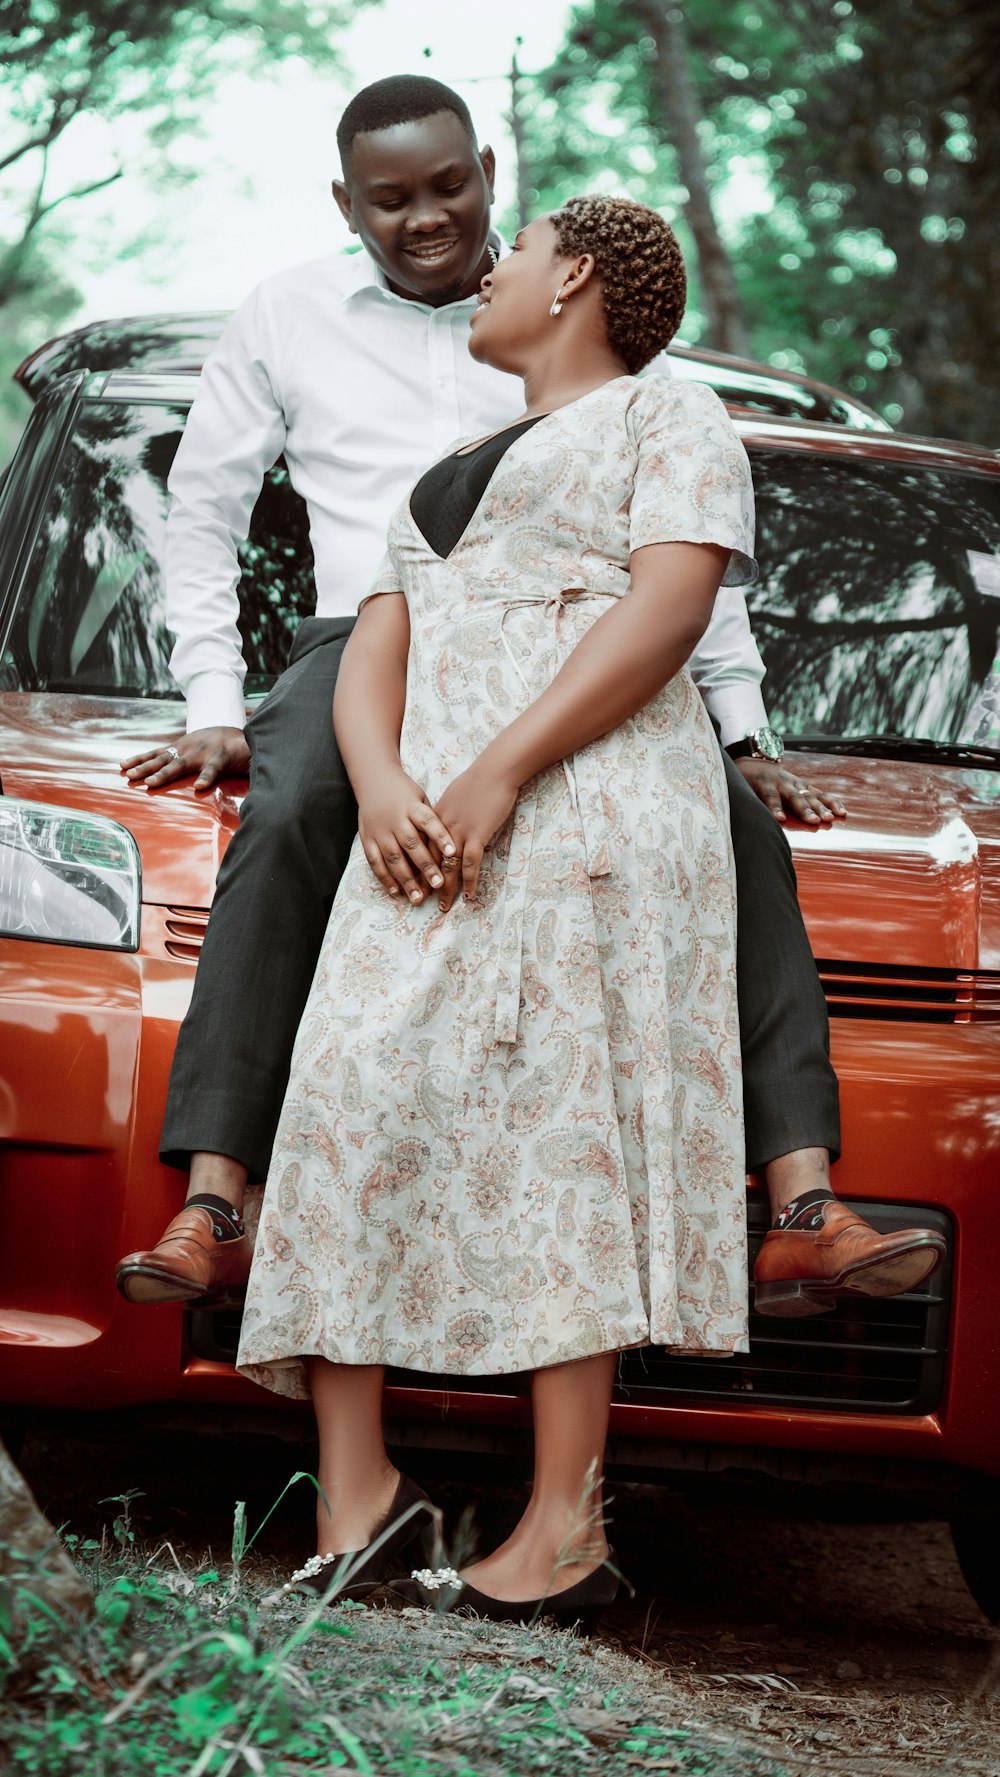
pixel 33 1561
pixel 516 121
pixel 727 327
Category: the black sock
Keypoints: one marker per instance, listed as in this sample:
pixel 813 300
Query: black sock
pixel 227 1223
pixel 805 1212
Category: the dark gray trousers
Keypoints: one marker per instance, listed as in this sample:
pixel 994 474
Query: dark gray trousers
pixel 790 1092
pixel 272 903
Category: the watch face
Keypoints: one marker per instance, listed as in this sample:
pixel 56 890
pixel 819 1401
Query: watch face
pixel 767 743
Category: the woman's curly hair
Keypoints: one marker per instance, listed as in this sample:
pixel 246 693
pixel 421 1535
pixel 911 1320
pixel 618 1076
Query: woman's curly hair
pixel 643 282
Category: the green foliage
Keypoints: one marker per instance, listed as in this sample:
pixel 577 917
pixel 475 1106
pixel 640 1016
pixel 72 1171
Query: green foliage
pixel 25 323
pixel 179 1676
pixel 241 1542
pixel 122 1529
pixel 62 63
pixel 62 59
pixel 852 151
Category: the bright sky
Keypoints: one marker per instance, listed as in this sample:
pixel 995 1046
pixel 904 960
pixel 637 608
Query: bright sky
pixel 262 198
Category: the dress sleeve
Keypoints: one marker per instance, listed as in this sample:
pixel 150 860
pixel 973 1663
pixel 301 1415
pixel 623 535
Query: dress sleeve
pixel 387 579
pixel 692 478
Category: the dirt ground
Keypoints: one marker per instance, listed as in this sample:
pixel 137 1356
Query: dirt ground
pixel 854 1645
pixel 840 1645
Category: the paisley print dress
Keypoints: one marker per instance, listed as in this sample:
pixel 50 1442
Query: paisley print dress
pixel 513 1133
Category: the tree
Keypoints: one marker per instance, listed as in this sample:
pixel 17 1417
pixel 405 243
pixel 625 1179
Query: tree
pixel 61 62
pixel 851 156
pixel 35 1569
pixel 596 118
pixel 726 326
pixel 890 164
pixel 515 122
pixel 50 299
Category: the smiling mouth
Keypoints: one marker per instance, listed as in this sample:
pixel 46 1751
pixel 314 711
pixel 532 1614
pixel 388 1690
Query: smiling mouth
pixel 433 253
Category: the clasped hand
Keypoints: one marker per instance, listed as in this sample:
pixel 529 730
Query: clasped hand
pixel 414 848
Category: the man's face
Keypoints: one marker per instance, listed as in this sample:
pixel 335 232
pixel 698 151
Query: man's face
pixel 419 196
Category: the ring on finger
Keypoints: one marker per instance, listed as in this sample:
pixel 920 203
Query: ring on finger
pixel 171 753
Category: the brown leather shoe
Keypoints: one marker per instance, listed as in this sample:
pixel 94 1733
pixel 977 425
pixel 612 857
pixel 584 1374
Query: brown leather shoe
pixel 799 1271
pixel 188 1265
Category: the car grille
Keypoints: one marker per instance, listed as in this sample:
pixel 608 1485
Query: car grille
pixel 927 996
pixel 184 929
pixel 853 990
pixel 870 1355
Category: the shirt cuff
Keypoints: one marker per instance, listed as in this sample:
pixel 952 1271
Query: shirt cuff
pixel 215 700
pixel 736 710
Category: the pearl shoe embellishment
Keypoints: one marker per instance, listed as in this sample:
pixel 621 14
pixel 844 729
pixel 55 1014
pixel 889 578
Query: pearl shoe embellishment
pixel 435 1577
pixel 313 1566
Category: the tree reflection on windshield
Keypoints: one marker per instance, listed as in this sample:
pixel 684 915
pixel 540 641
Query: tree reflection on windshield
pixel 876 611
pixel 91 615
pixel 871 613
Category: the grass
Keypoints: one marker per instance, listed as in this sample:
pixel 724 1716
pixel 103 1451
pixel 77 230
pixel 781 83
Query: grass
pixel 186 1671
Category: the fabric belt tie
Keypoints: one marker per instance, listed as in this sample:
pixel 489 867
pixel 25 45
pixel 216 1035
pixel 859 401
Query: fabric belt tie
pixel 584 787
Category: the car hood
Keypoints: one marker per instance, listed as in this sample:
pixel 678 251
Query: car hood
pixel 68 750
pixel 913 874
pixel 911 877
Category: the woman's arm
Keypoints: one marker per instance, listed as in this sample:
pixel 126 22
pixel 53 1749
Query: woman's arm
pixel 371 689
pixel 624 659
pixel 619 666
pixel 395 819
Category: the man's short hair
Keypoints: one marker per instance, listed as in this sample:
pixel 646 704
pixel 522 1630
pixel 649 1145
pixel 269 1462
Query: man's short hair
pixel 400 98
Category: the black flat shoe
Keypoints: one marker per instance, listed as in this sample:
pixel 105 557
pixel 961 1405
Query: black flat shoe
pixel 441 1589
pixel 418 1536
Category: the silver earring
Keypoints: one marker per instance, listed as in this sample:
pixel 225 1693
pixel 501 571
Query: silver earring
pixel 556 308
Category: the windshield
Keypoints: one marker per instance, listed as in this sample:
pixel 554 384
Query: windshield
pixel 876 611
pixel 878 604
pixel 91 616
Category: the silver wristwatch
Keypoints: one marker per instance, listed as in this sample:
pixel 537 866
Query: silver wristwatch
pixel 760 743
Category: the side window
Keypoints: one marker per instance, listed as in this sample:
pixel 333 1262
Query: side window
pixel 878 606
pixel 90 616
pixel 277 588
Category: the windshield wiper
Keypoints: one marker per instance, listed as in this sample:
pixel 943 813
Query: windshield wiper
pixel 896 746
pixel 79 688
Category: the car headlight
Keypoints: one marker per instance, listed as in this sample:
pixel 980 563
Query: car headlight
pixel 67 878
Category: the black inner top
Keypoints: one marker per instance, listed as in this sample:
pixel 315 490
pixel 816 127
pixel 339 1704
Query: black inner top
pixel 443 501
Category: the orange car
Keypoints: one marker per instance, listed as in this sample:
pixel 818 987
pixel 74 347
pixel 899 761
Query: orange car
pixel 877 613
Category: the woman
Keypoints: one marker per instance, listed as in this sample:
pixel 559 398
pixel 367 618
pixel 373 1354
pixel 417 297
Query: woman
pixel 512 1138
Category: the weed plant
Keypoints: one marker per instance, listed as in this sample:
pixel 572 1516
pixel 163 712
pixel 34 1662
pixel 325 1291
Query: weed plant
pixel 186 1671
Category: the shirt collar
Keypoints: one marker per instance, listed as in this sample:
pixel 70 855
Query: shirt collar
pixel 363 276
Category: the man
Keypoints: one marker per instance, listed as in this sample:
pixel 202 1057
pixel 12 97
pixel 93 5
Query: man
pixel 357 368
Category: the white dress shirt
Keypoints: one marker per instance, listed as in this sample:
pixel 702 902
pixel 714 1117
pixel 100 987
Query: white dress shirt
pixel 360 389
